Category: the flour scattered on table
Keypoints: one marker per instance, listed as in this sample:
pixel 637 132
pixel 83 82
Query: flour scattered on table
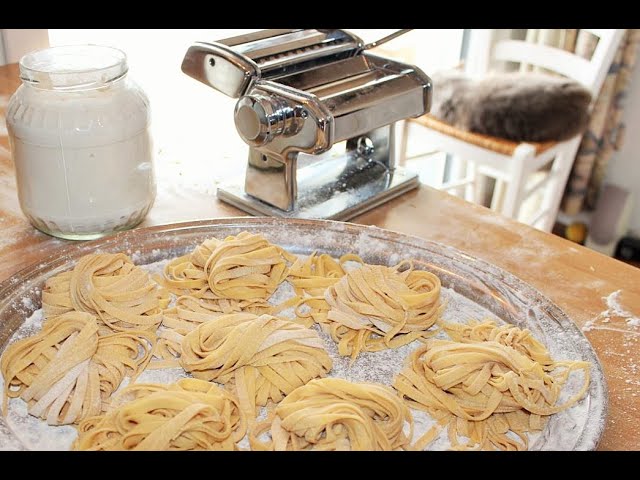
pixel 615 310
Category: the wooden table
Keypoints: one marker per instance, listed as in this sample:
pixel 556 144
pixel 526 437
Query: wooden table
pixel 576 278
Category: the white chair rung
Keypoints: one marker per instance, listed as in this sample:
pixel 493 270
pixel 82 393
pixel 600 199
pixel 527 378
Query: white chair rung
pixel 420 155
pixel 539 217
pixel 544 56
pixel 538 185
pixel 494 173
pixel 456 184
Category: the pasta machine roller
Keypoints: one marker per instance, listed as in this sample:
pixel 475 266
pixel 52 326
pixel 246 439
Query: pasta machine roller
pixel 318 111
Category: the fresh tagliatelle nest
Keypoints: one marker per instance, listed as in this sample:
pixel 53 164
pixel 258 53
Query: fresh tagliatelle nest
pixel 259 371
pixel 334 414
pixel 188 415
pixel 376 307
pixel 493 382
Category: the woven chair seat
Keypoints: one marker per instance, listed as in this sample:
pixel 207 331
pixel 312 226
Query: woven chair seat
pixel 495 144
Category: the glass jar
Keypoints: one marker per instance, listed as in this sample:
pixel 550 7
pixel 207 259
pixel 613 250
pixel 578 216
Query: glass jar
pixel 80 140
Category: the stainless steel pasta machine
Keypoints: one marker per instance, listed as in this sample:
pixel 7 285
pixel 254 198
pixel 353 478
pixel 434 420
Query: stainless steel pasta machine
pixel 318 112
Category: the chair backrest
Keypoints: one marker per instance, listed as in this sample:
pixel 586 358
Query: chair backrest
pixel 590 73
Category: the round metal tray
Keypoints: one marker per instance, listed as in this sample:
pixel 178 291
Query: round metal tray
pixel 500 292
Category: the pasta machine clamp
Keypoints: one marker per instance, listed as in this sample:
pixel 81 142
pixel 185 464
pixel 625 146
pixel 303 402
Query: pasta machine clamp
pixel 318 112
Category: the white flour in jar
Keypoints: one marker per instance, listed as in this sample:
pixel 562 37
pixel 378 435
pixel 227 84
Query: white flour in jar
pixel 81 143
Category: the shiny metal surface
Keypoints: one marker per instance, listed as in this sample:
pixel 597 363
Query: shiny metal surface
pixel 301 92
pixel 271 179
pixel 260 117
pixel 220 68
pixel 280 52
pixel 359 174
pixel 386 39
pixel 231 65
pixel 330 200
pixel 248 38
pixel 297 125
pixel 365 92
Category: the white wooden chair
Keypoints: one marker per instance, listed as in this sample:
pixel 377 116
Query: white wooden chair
pixel 511 163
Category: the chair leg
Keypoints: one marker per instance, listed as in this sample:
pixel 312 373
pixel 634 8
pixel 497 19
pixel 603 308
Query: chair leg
pixel 498 195
pixel 482 189
pixel 560 170
pixel 513 197
pixel 472 189
pixel 457 171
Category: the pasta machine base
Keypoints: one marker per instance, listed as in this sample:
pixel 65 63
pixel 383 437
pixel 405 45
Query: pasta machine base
pixel 338 201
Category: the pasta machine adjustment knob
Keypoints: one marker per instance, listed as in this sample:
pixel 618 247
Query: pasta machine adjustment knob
pixel 259 119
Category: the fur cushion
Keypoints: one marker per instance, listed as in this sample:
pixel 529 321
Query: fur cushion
pixel 529 107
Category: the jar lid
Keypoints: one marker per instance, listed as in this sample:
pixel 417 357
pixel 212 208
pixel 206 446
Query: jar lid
pixel 74 67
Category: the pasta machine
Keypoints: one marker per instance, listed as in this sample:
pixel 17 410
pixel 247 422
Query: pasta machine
pixel 318 111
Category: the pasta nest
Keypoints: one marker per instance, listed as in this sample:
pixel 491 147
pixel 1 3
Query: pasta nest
pixel 375 307
pixel 188 415
pixel 261 357
pixel 519 339
pixel 485 389
pixel 190 312
pixel 335 414
pixel 110 287
pixel 241 267
pixel 67 372
pixel 313 275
